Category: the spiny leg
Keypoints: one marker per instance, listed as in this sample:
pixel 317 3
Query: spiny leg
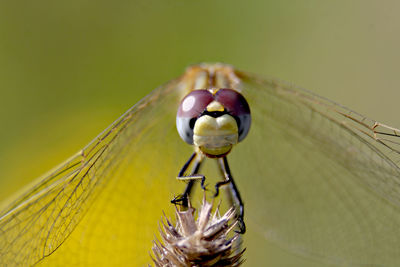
pixel 224 166
pixel 192 177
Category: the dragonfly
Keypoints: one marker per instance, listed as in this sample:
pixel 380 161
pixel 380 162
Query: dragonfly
pixel 320 183
pixel 213 119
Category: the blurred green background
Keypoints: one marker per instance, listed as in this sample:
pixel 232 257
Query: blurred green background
pixel 68 69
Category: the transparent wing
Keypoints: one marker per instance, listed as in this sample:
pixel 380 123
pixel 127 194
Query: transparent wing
pixel 324 181
pixel 39 222
pixel 320 185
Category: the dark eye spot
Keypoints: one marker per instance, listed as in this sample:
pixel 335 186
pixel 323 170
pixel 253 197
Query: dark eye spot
pixel 238 122
pixel 192 122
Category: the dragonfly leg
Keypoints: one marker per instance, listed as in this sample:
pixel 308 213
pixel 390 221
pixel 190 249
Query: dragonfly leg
pixel 224 166
pixel 191 178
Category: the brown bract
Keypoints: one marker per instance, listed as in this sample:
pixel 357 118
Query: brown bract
pixel 198 242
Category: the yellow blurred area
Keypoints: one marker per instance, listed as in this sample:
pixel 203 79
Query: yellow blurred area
pixel 68 69
pixel 101 237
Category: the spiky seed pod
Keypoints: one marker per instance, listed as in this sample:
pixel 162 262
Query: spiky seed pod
pixel 201 242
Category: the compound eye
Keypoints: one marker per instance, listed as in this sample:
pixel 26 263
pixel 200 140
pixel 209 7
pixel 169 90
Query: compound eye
pixel 236 105
pixel 190 108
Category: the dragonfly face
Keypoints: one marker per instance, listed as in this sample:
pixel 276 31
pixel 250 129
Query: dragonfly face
pixel 213 120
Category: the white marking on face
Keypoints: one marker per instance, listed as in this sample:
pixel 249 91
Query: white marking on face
pixel 188 103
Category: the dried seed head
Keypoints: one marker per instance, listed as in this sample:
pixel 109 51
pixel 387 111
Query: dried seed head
pixel 201 242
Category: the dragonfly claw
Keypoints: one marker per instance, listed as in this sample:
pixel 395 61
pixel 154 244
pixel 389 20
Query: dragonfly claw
pixel 242 226
pixel 181 200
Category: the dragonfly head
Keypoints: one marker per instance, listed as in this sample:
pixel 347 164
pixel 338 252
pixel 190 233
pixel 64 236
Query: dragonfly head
pixel 213 120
